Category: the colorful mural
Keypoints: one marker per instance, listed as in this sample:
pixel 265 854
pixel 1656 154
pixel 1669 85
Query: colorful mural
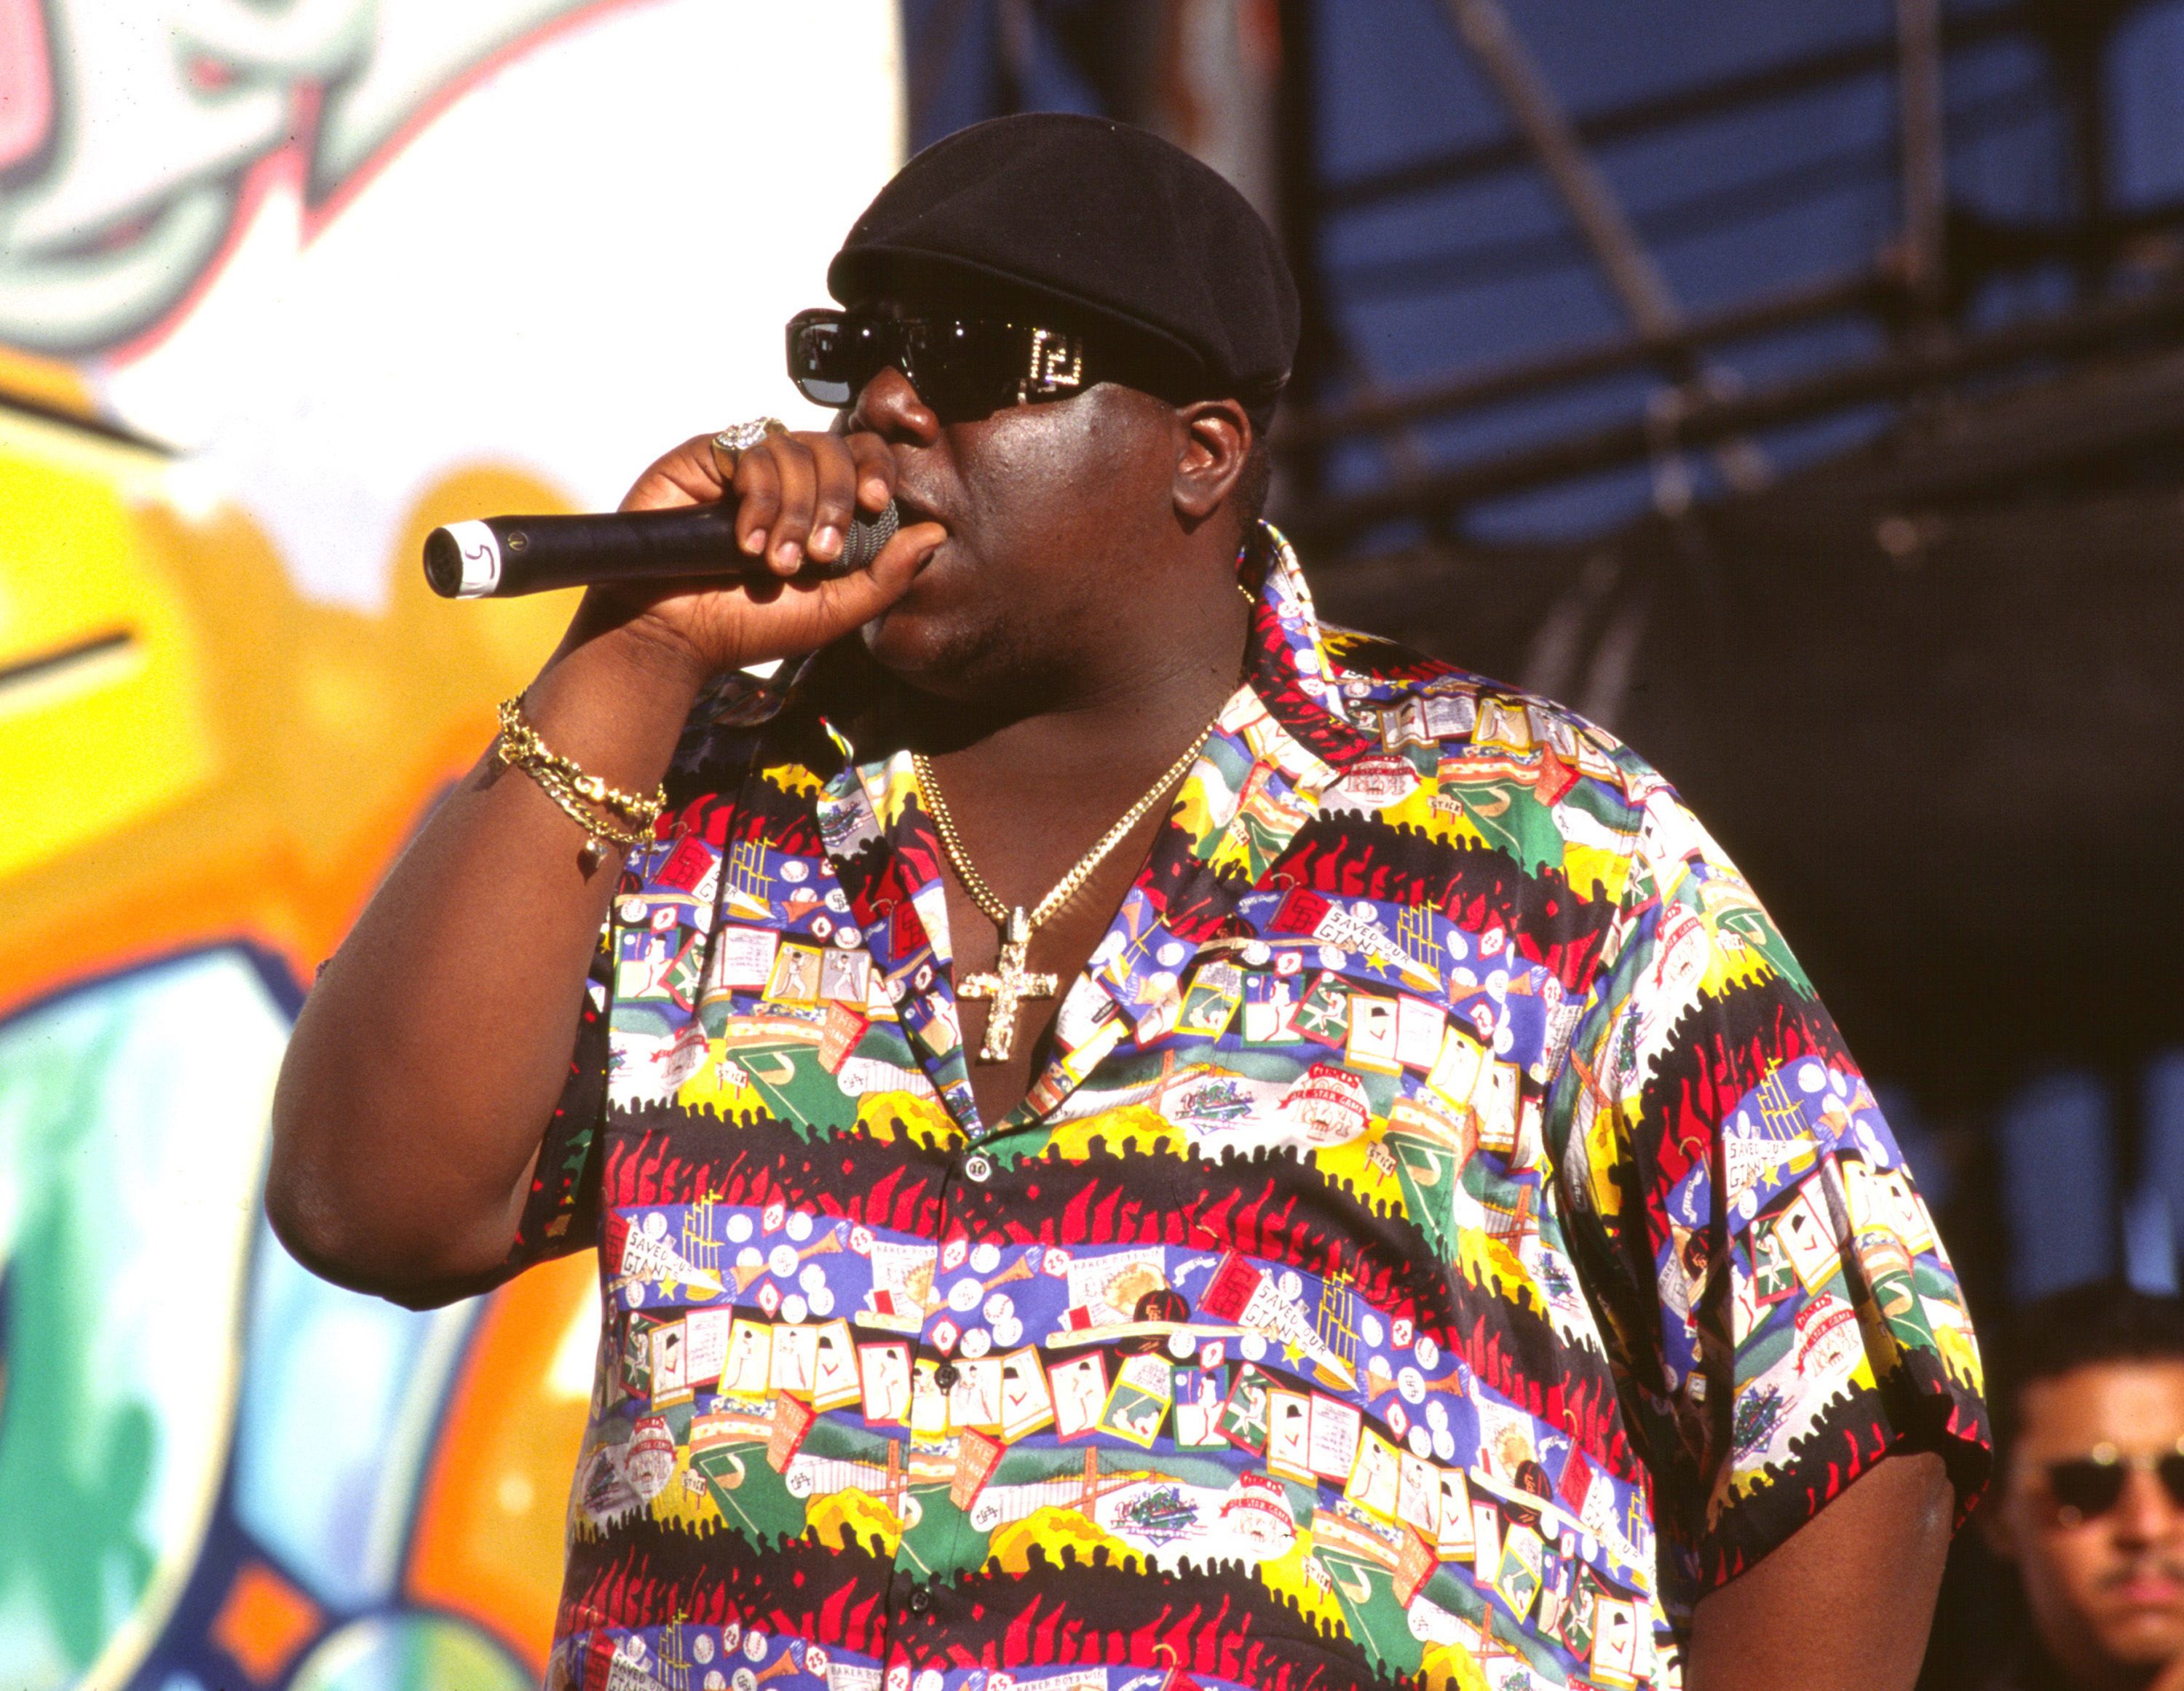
pixel 284 283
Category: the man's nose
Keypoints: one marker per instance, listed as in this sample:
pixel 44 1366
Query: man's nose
pixel 2145 1514
pixel 889 408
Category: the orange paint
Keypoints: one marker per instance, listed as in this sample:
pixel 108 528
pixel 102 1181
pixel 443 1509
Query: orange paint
pixel 263 1622
pixel 488 1537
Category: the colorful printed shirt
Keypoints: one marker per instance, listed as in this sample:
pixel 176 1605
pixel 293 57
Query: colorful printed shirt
pixel 1448 1239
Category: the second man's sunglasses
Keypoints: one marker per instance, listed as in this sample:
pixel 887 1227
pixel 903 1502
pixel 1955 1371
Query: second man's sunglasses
pixel 963 368
pixel 2086 1487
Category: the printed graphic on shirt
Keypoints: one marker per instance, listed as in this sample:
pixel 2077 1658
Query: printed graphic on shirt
pixel 1431 1012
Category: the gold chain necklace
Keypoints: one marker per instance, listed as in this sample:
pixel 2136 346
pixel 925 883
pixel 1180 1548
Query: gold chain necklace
pixel 1012 982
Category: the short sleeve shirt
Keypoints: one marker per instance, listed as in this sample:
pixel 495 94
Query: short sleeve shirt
pixel 1447 1238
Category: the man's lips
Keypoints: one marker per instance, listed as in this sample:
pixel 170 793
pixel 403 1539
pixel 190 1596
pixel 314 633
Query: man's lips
pixel 914 509
pixel 2148 1587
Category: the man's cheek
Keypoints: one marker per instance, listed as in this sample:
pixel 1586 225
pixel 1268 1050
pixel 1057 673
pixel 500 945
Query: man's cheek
pixel 2069 1577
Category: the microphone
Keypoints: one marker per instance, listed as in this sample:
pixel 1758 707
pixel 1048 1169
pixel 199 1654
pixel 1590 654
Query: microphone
pixel 500 557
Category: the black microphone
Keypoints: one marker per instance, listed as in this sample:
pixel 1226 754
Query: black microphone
pixel 500 557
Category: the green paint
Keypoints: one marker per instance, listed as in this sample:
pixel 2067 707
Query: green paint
pixel 414 1653
pixel 132 1121
pixel 1511 816
pixel 1428 1172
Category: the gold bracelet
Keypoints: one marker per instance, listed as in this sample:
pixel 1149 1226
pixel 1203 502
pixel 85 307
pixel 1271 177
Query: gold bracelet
pixel 607 827
pixel 596 827
pixel 531 754
pixel 629 821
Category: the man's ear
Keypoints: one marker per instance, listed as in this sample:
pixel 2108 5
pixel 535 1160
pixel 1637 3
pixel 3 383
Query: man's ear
pixel 1214 437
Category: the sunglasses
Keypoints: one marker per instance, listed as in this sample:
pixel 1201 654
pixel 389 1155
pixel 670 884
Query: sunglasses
pixel 963 368
pixel 2087 1487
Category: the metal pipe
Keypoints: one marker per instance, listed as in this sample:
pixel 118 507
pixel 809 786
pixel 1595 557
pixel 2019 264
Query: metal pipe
pixel 1925 185
pixel 1637 282
pixel 1296 165
pixel 1913 366
pixel 1392 410
pixel 1767 85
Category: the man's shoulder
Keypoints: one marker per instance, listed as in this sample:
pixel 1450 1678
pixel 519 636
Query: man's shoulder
pixel 1414 700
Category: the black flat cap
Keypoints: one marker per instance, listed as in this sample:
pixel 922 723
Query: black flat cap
pixel 1121 231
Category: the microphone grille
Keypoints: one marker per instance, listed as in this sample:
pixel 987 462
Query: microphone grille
pixel 867 536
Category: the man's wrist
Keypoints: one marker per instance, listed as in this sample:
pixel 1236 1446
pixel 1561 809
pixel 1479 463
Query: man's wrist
pixel 644 653
pixel 615 703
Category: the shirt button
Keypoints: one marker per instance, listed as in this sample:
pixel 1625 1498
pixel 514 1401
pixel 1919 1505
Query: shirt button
pixel 945 1376
pixel 919 1601
pixel 976 1167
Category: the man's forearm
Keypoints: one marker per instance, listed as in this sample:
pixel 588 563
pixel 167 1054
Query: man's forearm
pixel 429 1055
pixel 1846 1604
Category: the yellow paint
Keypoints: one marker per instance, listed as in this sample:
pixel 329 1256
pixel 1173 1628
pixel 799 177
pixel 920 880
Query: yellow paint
pixel 1299 1576
pixel 1055 1531
pixel 794 779
pixel 1960 1355
pixel 840 1516
pixel 1363 1163
pixel 687 1501
pixel 1450 1667
pixel 887 1116
pixel 91 746
pixel 487 1541
pixel 253 776
pixel 1493 1266
pixel 45 382
pixel 137 474
pixel 1130 1128
pixel 705 1090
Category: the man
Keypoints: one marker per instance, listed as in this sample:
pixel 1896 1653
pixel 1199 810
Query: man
pixel 2090 1505
pixel 1078 776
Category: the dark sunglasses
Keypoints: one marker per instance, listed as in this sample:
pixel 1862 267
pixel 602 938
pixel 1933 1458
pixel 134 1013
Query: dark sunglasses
pixel 2087 1487
pixel 963 368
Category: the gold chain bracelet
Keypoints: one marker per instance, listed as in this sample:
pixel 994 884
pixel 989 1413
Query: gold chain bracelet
pixel 604 812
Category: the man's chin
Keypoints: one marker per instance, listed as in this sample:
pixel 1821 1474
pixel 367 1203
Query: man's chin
pixel 2143 1637
pixel 935 653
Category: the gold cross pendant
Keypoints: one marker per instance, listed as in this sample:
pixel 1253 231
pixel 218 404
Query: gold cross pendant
pixel 1009 986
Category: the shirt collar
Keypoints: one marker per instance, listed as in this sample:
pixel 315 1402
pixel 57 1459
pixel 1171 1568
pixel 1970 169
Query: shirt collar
pixel 1287 663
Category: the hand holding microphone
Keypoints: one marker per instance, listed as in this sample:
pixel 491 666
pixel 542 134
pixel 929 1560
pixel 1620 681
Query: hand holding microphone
pixel 736 548
pixel 503 557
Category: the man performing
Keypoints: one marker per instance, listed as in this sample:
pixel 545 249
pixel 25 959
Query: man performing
pixel 1079 983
